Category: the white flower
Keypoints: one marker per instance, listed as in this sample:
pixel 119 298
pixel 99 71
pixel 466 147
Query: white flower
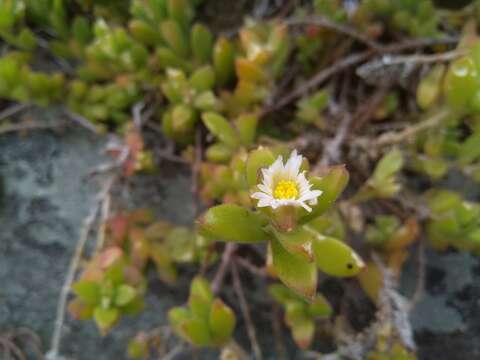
pixel 284 184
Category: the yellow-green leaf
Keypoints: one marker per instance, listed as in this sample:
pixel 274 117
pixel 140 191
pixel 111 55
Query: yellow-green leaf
pixel 222 322
pixel 231 222
pixel 336 258
pixel 298 275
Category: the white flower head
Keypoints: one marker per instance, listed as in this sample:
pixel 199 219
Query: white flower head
pixel 284 185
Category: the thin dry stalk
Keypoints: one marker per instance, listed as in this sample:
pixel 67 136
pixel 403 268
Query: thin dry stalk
pixel 252 335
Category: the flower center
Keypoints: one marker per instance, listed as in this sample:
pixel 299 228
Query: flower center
pixel 286 189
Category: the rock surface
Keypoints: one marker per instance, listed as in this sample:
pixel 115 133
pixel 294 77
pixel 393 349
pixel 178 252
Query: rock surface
pixel 44 198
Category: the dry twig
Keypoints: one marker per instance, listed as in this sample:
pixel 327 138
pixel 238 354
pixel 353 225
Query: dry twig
pixel 72 268
pixel 14 109
pixel 228 252
pixel 325 22
pixel 237 286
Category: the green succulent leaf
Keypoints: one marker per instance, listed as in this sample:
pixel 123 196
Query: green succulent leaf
pixel 221 128
pixel 297 242
pixel 331 185
pixel 175 37
pixel 222 322
pixel 298 275
pixel 336 258
pixel 178 315
pixel 200 287
pixel 203 78
pixel 124 294
pixel 223 61
pixel 87 291
pixel 202 43
pixel 231 222
pixel 219 153
pixel 247 128
pixel 320 307
pixel 257 159
pixel 197 332
pixel 105 318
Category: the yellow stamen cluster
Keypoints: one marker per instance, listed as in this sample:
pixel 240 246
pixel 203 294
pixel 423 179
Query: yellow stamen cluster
pixel 286 189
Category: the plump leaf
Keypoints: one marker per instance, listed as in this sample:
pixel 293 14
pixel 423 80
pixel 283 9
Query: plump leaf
pixel 371 280
pixel 105 318
pixel 388 165
pixel 222 322
pixel 320 307
pixel 178 315
pixel 87 291
pixel 223 61
pixel 231 222
pixel 247 127
pixel 298 275
pixel 257 159
pixel 331 185
pixel 180 10
pixel 297 242
pixel 219 153
pixel 430 87
pixel 282 294
pixel 335 258
pixel 175 37
pixel 124 294
pixel 303 331
pixel 202 43
pixel 199 306
pixel 203 79
pixel 249 71
pixel 197 332
pixel 221 128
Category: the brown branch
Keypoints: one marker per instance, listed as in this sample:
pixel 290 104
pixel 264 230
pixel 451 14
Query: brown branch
pixel 317 80
pixel 396 137
pixel 237 286
pixel 325 22
pixel 277 332
pixel 350 61
pixel 24 126
pixel 247 265
pixel 14 109
pixel 224 264
pixel 366 111
pixel 72 268
pixel 331 152
pixel 80 120
pixel 197 162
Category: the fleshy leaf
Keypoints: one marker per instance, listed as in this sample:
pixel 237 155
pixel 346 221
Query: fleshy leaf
pixel 105 318
pixel 200 287
pixel 197 332
pixel 223 61
pixel 178 315
pixel 231 222
pixel 298 275
pixel 257 159
pixel 124 294
pixel 222 322
pixel 247 127
pixel 87 291
pixel 297 242
pixel 221 128
pixel 335 258
pixel 202 43
pixel 320 307
pixel 331 185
